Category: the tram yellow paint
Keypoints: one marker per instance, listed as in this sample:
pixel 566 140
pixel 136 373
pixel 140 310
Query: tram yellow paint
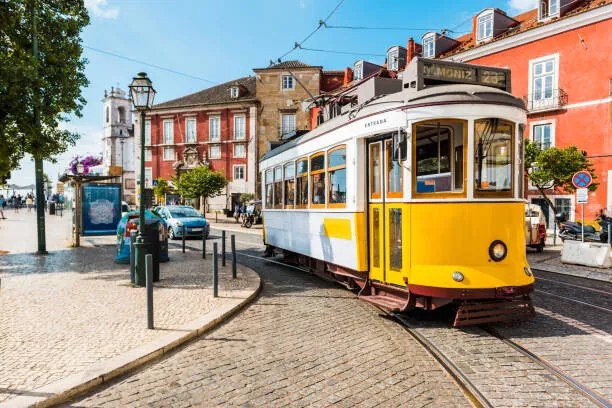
pixel 361 242
pixel 338 228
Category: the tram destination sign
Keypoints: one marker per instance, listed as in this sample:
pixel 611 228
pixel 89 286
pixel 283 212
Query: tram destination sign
pixel 434 72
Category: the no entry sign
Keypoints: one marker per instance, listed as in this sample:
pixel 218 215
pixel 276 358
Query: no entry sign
pixel 582 179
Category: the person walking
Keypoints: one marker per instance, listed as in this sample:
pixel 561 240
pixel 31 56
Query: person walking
pixel 2 205
pixel 29 203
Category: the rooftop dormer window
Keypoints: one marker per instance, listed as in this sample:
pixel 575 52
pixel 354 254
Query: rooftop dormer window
pixel 358 71
pixel 548 9
pixel 429 45
pixel 485 26
pixel 393 59
pixel 234 92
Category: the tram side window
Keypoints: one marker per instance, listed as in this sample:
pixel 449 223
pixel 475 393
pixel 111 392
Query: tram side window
pixel 336 169
pixel 317 178
pixel 302 182
pixel 493 139
pixel 289 177
pixel 278 187
pixel 269 184
pixel 394 173
pixel 439 156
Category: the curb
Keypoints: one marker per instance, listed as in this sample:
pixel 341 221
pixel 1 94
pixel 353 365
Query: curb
pixel 65 389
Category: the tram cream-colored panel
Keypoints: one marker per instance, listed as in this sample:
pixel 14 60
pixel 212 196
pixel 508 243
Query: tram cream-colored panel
pixel 335 237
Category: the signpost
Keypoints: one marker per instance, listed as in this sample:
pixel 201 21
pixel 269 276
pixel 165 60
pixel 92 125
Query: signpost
pixel 582 180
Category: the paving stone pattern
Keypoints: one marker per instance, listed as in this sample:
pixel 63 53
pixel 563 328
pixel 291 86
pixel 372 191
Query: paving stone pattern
pixel 83 310
pixel 304 342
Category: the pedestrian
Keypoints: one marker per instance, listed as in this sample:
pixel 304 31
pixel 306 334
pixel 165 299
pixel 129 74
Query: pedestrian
pixel 2 205
pixel 16 203
pixel 29 203
pixel 237 212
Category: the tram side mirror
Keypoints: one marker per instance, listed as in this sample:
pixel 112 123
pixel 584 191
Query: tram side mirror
pixel 399 146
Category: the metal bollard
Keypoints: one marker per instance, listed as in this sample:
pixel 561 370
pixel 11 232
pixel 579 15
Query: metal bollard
pixel 183 228
pixel 223 248
pixel 215 271
pixel 149 273
pixel 233 244
pixel 204 243
pixel 132 257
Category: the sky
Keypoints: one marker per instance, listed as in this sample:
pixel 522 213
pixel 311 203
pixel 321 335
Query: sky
pixel 196 44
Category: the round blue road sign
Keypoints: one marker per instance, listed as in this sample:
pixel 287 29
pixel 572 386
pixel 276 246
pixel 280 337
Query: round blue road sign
pixel 582 179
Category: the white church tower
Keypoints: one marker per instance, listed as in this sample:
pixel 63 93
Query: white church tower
pixel 119 141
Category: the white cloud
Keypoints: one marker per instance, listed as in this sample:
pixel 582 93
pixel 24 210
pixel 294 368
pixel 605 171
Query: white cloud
pixel 99 9
pixel 519 6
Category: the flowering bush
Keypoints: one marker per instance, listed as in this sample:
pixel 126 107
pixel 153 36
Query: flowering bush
pixel 87 161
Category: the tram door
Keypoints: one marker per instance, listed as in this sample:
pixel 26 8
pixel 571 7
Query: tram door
pixel 384 218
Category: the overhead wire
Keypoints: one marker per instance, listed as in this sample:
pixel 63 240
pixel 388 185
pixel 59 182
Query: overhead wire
pixel 148 64
pixel 385 28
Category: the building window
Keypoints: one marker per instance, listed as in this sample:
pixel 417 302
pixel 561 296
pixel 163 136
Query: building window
pixel 147 136
pixel 543 82
pixel 564 206
pixel 168 132
pixel 239 127
pixel 336 176
pixel 148 155
pixel 239 150
pixel 289 180
pixel 393 59
pixel 287 124
pixel 148 175
pixel 278 187
pixel 107 114
pixel 542 135
pixel 234 92
pixel 358 71
pixel 429 46
pixel 548 9
pixel 214 128
pixel 214 152
pixel 317 179
pixel 121 111
pixel 190 125
pixel 269 183
pixel 302 182
pixel 485 27
pixel 168 153
pixel 287 82
pixel 239 172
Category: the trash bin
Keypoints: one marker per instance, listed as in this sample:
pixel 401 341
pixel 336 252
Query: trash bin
pixel 51 208
pixel 153 247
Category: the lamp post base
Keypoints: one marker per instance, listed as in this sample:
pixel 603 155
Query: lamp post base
pixel 139 258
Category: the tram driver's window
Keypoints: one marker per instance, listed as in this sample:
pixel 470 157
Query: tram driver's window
pixel 317 178
pixel 302 182
pixel 493 140
pixel 439 156
pixel 269 184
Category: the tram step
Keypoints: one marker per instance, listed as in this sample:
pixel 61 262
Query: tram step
pixel 470 313
pixel 389 303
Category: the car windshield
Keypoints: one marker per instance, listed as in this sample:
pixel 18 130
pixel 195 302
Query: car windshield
pixel 184 212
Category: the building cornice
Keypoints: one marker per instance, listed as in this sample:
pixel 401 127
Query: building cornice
pixel 198 108
pixel 535 34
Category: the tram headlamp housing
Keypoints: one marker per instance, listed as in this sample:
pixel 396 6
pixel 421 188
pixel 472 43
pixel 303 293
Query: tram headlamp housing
pixel 457 276
pixel 498 250
pixel 527 271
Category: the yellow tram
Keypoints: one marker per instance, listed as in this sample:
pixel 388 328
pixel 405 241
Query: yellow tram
pixel 411 193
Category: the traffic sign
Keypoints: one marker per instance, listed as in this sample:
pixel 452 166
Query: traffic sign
pixel 582 179
pixel 582 195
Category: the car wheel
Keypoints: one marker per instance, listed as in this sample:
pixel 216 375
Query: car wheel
pixel 171 233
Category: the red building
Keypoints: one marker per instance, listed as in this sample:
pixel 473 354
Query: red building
pixel 561 63
pixel 216 127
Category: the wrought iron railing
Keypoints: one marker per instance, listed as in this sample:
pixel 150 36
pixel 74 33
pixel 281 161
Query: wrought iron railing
pixel 542 101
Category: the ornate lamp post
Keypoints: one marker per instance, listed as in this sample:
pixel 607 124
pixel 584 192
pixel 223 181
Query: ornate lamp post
pixel 142 93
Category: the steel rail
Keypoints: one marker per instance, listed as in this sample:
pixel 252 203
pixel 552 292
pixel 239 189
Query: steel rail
pixel 587 392
pixel 603 292
pixel 471 392
pixel 605 309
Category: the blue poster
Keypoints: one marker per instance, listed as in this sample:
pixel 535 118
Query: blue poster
pixel 101 206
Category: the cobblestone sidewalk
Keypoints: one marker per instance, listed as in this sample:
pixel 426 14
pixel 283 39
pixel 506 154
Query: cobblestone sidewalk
pixel 74 308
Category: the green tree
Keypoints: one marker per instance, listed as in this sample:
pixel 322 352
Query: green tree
pixel 246 197
pixel 50 84
pixel 161 189
pixel 201 182
pixel 553 168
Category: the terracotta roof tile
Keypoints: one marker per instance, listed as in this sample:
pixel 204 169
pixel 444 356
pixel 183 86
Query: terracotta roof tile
pixel 287 64
pixel 219 94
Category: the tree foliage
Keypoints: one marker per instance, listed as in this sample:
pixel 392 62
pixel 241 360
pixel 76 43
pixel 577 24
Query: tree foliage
pixel 161 189
pixel 553 168
pixel 246 197
pixel 200 182
pixel 52 84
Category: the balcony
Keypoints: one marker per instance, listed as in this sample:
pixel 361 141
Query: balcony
pixel 536 103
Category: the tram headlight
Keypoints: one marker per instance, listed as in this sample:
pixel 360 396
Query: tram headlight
pixel 498 250
pixel 527 271
pixel 457 276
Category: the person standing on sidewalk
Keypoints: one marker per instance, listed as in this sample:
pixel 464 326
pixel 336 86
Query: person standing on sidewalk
pixel 29 203
pixel 2 205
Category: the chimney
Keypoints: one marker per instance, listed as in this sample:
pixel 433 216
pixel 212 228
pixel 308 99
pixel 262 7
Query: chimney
pixel 410 51
pixel 474 25
pixel 348 76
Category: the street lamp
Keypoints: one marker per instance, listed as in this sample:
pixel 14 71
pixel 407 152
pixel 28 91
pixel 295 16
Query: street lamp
pixel 80 169
pixel 142 93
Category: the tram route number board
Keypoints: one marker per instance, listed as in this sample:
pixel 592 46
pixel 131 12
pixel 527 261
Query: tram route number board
pixel 582 179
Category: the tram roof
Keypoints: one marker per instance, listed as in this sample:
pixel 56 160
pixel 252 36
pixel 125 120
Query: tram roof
pixel 434 95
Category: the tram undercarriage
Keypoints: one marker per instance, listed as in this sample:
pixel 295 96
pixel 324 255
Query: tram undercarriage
pixel 473 306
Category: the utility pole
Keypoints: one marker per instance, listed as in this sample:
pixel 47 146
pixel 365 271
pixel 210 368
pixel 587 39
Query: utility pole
pixel 37 142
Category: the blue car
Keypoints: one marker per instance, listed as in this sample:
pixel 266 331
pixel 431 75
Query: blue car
pixel 179 216
pixel 128 223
